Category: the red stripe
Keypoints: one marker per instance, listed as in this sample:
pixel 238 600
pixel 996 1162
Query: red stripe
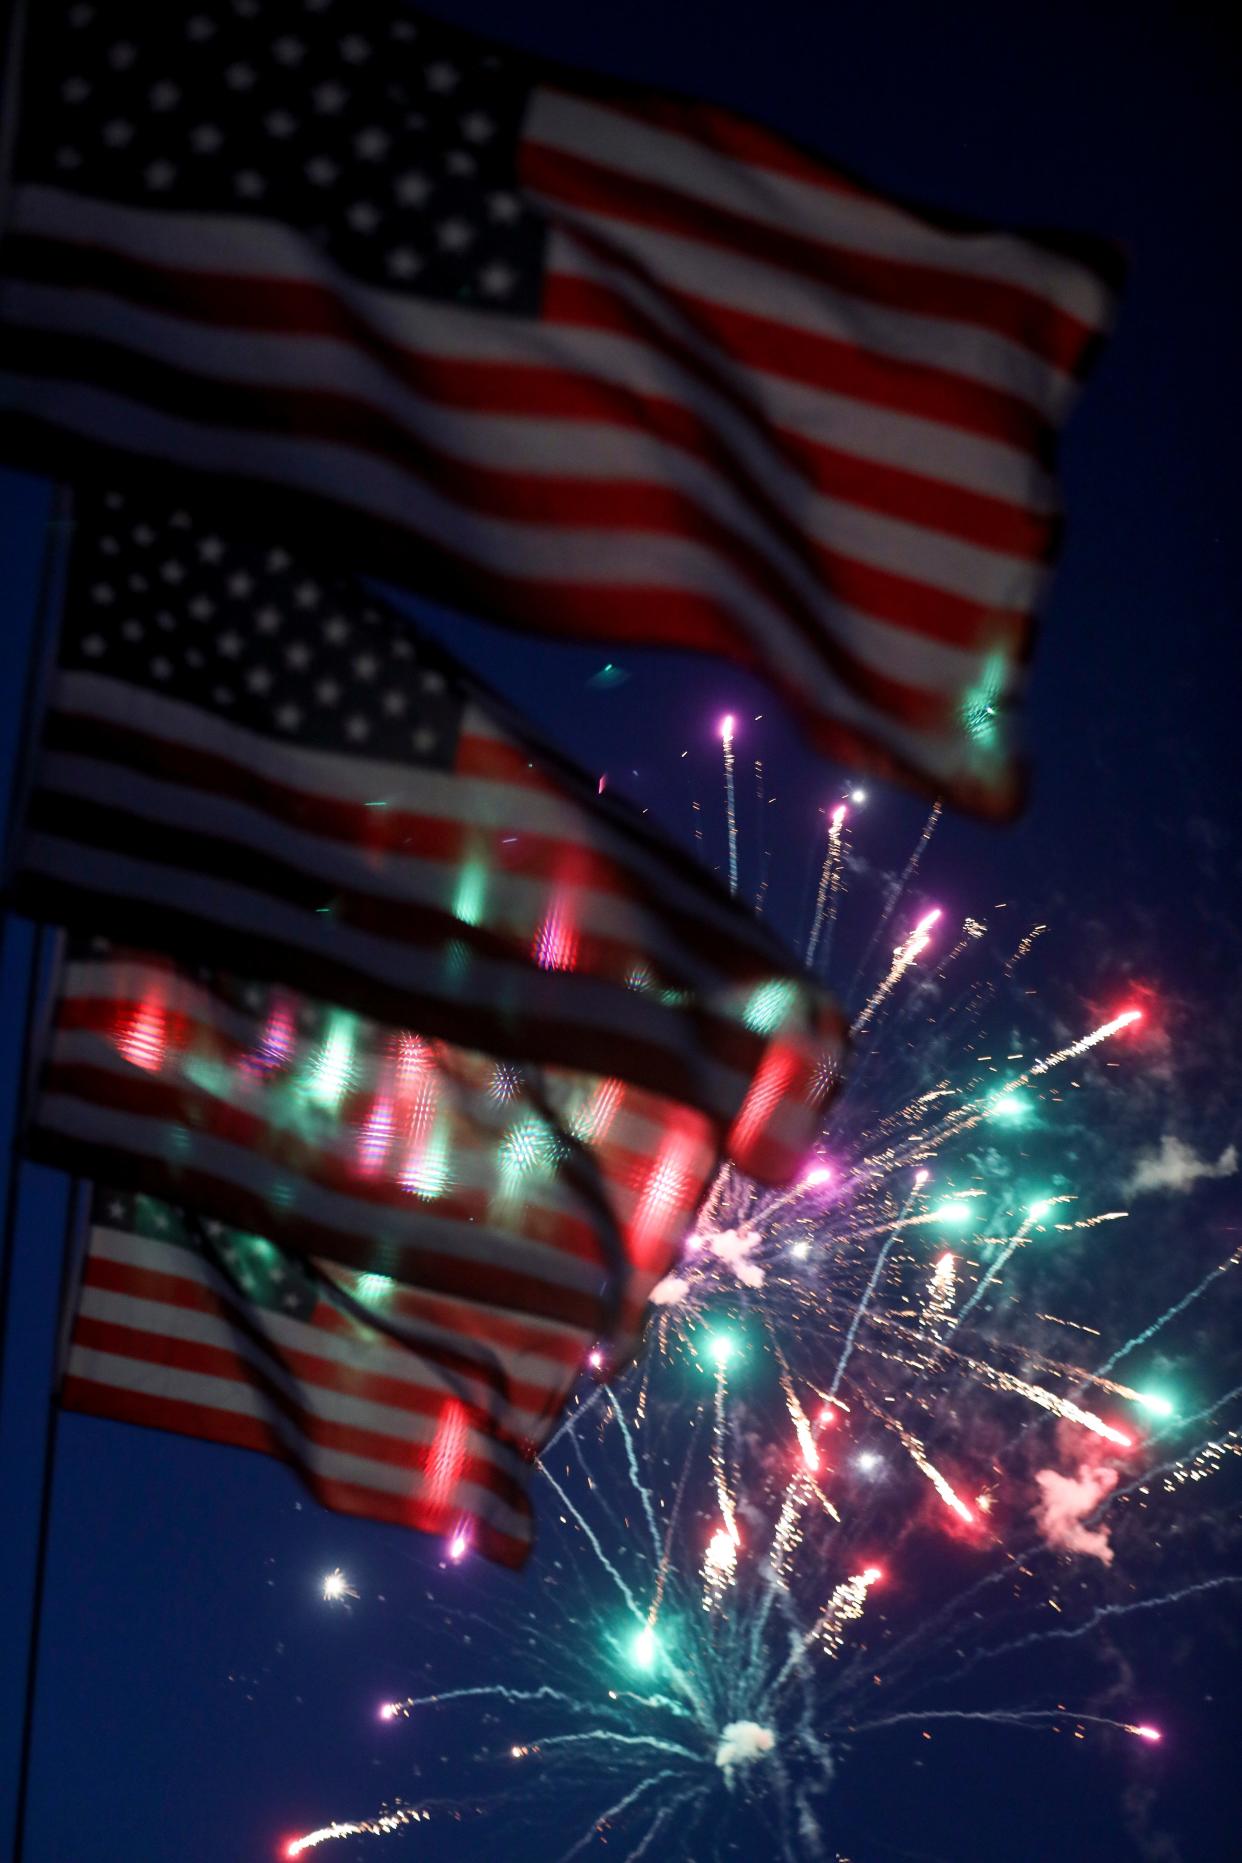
pixel 1021 316
pixel 186 1419
pixel 490 1332
pixel 557 609
pixel 566 393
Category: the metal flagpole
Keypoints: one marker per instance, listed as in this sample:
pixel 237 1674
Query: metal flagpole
pixel 77 1208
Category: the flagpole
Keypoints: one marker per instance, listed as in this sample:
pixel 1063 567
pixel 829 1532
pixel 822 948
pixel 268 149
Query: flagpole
pixel 77 1203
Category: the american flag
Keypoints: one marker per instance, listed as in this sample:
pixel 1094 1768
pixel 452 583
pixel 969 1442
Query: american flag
pixel 590 359
pixel 184 1324
pixel 245 756
pixel 522 1216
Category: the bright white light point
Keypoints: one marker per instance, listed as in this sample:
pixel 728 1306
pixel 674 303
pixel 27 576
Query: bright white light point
pixel 953 1213
pixel 838 816
pixel 595 1358
pixel 336 1586
pixel 721 1349
pixel 801 1250
pixel 516 1752
pixel 867 1460
pixel 1146 1733
pixel 388 1712
pixel 1038 1211
pixel 643 1649
pixel 817 1174
pixel 1151 1401
pixel 920 1178
pixel 872 1575
pixel 858 795
pixel 459 1545
pixel 726 728
pixel 944 1267
pixel 742 1742
pixel 827 1415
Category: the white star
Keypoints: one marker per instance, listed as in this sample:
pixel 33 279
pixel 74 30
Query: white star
pixel 211 549
pixel 329 98
pixel 166 621
pixel 279 123
pixel 173 571
pixel 248 184
pixel 477 127
pixel 94 645
pixel 442 77
pixel 412 189
pixel 164 95
pixel 205 139
pixel 366 665
pixel 357 728
pixel 431 681
pixel 289 51
pixel 321 171
pixel 240 584
pixel 116 133
pixel 459 162
pixel 363 217
pixel 121 56
pixel 504 207
pixel 102 593
pixel 455 235
pixel 394 702
pixel 307 595
pixel 116 1210
pixel 423 740
pixel 497 280
pixel 161 667
pixel 202 608
pixel 327 691
pixel 230 645
pixel 336 629
pixel 403 29
pixel 297 655
pixel 132 630
pixel 81 15
pixel 278 560
pixel 143 534
pixel 268 620
pixel 288 717
pixel 75 90
pixel 355 50
pixel 222 695
pixel 68 158
pixel 138 584
pixel 109 546
pixel 239 77
pixel 403 263
pixel 198 28
pixel 371 144
pixel 259 679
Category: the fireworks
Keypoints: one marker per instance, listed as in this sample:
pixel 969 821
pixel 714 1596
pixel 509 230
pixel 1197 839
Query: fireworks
pixel 853 1465
pixel 336 1587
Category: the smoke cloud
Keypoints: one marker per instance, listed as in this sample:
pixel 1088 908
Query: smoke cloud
pixel 1065 1500
pixel 1176 1166
pixel 743 1741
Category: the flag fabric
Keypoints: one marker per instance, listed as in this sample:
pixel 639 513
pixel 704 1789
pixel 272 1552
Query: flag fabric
pixel 186 1325
pixel 246 758
pixel 587 358
pixel 503 1227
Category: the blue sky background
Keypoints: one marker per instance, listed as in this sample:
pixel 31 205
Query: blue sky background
pixel 197 1702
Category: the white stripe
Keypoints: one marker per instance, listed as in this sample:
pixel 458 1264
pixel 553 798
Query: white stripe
pixel 229 1398
pixel 598 1010
pixel 166 1321
pixel 475 800
pixel 89 1122
pixel 865 223
pixel 518 553
pixel 263 249
pixel 375 1352
pixel 542 447
pixel 762 288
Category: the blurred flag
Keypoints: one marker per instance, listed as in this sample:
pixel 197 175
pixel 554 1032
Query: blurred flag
pixel 190 1326
pixel 501 1224
pixel 590 359
pixel 248 760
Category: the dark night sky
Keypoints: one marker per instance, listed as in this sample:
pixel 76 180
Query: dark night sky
pixel 197 1701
